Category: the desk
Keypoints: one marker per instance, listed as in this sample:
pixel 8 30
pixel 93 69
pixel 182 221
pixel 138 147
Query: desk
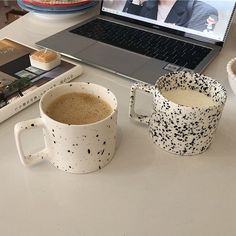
pixel 143 191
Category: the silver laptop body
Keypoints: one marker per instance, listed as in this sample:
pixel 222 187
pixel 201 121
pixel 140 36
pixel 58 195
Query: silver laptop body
pixel 130 64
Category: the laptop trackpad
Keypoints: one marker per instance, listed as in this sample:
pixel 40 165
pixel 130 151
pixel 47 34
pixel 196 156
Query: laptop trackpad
pixel 116 59
pixel 151 71
pixel 66 43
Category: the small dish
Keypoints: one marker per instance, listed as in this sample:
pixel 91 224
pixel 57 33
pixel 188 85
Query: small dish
pixel 231 70
pixel 56 10
pixel 45 59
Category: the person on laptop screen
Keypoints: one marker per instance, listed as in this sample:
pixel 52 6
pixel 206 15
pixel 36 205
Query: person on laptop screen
pixel 191 14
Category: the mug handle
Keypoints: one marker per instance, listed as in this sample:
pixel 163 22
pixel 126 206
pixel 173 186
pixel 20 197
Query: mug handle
pixel 26 125
pixel 148 88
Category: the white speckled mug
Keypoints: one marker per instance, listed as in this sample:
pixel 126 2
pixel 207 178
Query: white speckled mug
pixel 73 148
pixel 182 129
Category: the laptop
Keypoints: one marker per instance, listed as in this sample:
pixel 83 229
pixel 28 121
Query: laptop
pixel 144 39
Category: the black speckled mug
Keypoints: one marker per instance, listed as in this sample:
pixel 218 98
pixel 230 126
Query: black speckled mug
pixel 176 127
pixel 73 148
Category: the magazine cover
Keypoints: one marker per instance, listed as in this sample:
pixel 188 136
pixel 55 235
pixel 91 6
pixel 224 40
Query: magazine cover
pixel 22 84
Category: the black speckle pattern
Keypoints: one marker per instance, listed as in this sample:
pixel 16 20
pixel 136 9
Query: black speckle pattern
pixel 179 129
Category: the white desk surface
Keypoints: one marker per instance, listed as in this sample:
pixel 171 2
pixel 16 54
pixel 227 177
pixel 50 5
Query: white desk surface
pixel 143 191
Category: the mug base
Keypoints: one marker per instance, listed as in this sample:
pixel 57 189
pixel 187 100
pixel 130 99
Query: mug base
pixel 76 170
pixel 179 152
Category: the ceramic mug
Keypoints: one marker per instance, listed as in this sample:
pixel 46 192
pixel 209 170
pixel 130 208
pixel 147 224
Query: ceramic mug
pixel 181 129
pixel 73 148
pixel 231 70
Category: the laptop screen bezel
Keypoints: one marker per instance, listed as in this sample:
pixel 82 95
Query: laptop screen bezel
pixel 169 30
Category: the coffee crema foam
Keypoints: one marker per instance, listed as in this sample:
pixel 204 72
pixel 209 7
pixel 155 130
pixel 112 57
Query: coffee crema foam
pixel 78 109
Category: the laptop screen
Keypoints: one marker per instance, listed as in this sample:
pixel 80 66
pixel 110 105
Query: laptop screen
pixel 206 18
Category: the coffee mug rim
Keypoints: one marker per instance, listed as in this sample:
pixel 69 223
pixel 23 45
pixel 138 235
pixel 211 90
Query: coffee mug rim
pixel 229 68
pixel 192 107
pixel 77 125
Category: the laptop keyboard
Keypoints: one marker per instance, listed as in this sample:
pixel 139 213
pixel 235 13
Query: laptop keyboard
pixel 146 43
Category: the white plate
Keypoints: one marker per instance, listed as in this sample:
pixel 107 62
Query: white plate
pixel 58 16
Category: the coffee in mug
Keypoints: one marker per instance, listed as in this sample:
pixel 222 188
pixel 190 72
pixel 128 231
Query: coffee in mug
pixel 78 138
pixel 188 97
pixel 78 109
pixel 186 111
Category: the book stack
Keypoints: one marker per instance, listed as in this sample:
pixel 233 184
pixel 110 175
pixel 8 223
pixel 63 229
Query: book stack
pixel 26 74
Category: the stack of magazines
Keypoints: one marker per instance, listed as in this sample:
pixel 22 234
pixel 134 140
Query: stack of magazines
pixel 56 6
pixel 22 84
